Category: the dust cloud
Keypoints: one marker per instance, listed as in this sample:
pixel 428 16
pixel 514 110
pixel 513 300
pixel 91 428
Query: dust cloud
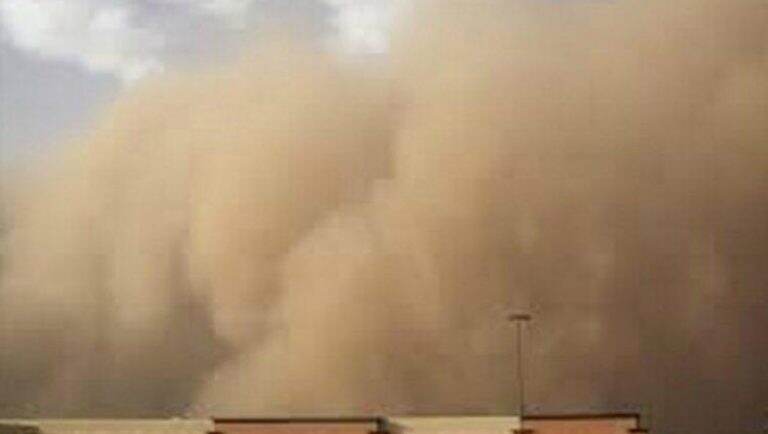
pixel 303 234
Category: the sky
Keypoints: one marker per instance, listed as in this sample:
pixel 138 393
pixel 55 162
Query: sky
pixel 62 61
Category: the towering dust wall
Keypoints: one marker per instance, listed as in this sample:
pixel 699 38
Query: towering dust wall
pixel 298 235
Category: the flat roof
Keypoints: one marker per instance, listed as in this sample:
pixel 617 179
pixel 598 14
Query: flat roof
pixel 300 419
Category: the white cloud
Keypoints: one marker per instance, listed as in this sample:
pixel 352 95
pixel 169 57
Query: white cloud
pixel 120 37
pixel 133 38
pixel 100 35
pixel 363 25
pixel 233 11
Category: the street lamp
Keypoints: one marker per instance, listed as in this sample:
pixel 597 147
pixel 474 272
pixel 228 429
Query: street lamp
pixel 519 319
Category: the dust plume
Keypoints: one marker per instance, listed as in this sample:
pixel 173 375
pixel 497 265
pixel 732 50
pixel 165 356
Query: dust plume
pixel 298 234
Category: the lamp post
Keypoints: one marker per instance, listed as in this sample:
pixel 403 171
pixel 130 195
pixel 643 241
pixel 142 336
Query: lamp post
pixel 519 319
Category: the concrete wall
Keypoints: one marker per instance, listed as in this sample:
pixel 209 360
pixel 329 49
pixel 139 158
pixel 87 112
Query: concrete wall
pixel 117 426
pixel 454 425
pixel 618 424
pixel 581 425
pixel 295 426
pixel 12 428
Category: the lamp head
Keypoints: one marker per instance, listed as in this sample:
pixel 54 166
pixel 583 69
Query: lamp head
pixel 519 317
